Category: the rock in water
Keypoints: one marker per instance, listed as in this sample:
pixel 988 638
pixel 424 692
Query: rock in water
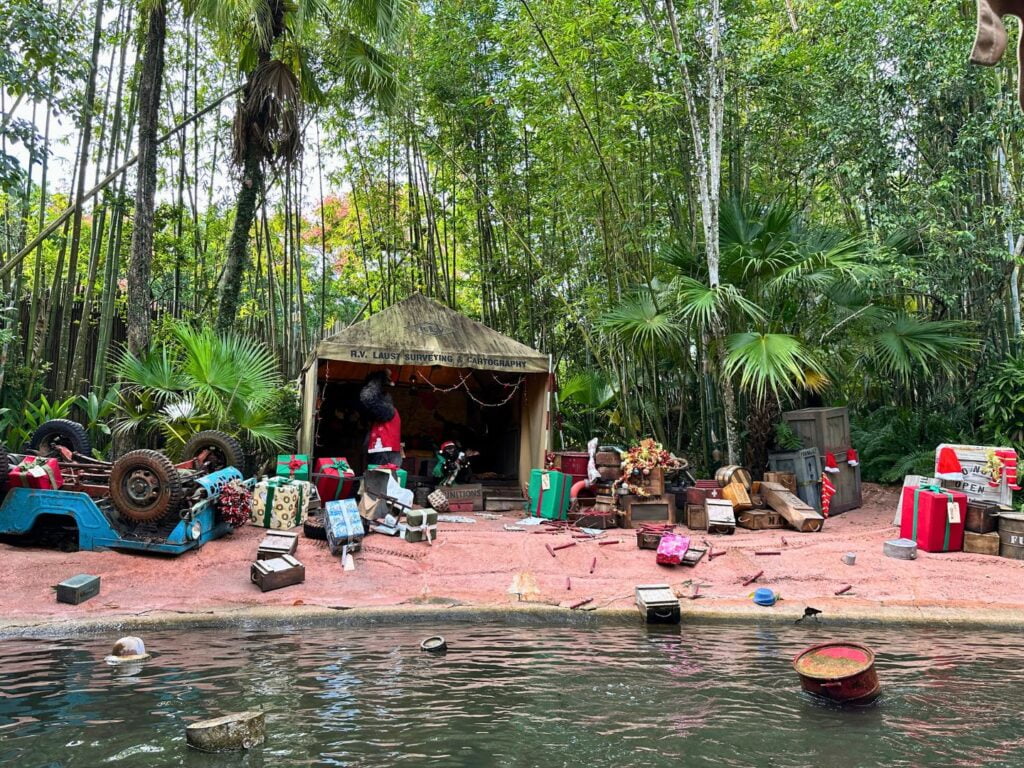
pixel 227 733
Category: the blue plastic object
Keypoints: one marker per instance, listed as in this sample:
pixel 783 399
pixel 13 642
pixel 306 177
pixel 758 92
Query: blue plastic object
pixel 764 596
pixel 22 507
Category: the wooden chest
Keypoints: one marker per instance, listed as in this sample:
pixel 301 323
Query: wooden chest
pixel 982 517
pixel 738 495
pixel 721 516
pixel 648 509
pixel 698 495
pixel 696 517
pixel 760 519
pixel 277 544
pixel 658 604
pixel 78 589
pixel 981 543
pixel 276 573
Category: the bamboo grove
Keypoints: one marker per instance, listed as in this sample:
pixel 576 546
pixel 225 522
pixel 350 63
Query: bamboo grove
pixel 707 212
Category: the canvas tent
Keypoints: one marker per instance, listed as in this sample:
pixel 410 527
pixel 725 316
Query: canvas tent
pixel 455 379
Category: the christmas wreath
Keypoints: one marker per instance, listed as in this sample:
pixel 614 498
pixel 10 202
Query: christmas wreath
pixel 235 503
pixel 638 462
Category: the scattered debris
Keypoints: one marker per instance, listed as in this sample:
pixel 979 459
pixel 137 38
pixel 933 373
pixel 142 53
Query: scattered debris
pixel 844 590
pixel 753 578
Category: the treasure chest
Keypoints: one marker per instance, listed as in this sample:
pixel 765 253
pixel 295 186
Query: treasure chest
pixel 294 466
pixel 419 524
pixel 658 604
pixel 276 573
pixel 78 589
pixel 281 503
pixel 721 516
pixel 277 544
pixel 343 525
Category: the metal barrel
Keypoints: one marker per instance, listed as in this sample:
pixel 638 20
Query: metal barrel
pixel 1011 536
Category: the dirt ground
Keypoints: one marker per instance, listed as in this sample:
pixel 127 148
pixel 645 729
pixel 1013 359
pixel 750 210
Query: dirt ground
pixel 484 565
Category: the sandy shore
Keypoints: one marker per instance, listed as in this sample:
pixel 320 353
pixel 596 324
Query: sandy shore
pixel 470 571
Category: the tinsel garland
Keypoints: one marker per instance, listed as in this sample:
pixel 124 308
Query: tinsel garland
pixel 640 460
pixel 235 503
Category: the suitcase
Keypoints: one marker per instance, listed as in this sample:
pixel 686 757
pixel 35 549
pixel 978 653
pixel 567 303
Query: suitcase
pixel 277 544
pixel 78 589
pixel 277 573
pixel 658 604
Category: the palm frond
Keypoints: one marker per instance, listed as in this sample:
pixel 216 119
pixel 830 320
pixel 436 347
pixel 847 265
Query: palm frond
pixel 907 343
pixel 638 320
pixel 588 388
pixel 699 305
pixel 768 363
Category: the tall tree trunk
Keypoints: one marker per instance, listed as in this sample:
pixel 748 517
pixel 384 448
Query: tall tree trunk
pixel 141 259
pixel 238 246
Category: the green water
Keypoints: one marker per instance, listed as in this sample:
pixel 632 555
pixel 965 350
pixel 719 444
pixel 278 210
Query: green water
pixel 721 695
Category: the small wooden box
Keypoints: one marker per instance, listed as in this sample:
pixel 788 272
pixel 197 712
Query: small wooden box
pixel 648 539
pixel 277 544
pixel 760 519
pixel 653 482
pixel 696 517
pixel 737 494
pixel 469 492
pixel 277 573
pixel 649 509
pixel 78 589
pixel 981 543
pixel 658 604
pixel 982 517
pixel 721 516
pixel 608 459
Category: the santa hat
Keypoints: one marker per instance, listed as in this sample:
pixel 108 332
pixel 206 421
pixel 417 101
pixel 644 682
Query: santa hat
pixel 947 465
pixel 830 463
pixel 852 459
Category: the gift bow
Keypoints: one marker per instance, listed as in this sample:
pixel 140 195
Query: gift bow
pixel 295 464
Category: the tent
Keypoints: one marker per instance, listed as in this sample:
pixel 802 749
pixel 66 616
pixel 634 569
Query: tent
pixel 455 379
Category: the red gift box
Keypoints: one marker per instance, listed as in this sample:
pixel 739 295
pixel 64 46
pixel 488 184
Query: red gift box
pixel 924 518
pixel 334 479
pixel 36 472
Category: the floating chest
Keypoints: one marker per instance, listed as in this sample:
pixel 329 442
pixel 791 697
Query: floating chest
pixel 276 573
pixel 277 544
pixel 657 604
pixel 78 589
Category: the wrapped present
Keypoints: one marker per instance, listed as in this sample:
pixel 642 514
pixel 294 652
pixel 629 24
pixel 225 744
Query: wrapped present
pixel 293 466
pixel 420 523
pixel 343 524
pixel 672 549
pixel 36 472
pixel 335 479
pixel 279 502
pixel 549 494
pixel 398 472
pixel 934 518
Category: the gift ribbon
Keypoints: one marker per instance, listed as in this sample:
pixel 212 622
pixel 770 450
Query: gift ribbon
pixel 35 467
pixel 280 482
pixel 937 490
pixel 295 464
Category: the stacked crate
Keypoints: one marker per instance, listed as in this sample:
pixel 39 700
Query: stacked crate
pixel 827 430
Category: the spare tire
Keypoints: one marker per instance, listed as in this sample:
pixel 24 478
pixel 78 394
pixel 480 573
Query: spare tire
pixel 313 528
pixel 60 432
pixel 222 450
pixel 145 486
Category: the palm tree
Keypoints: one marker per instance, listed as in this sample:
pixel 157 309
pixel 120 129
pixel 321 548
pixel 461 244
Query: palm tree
pixel 273 40
pixel 151 75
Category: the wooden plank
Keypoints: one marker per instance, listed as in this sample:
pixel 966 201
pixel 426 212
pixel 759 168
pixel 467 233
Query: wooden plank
pixel 798 514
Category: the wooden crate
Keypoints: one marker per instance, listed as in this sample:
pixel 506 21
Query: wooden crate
pixel 737 494
pixel 277 544
pixel 848 489
pixel 721 516
pixel 658 604
pixel 696 517
pixel 982 517
pixel 279 572
pixel 471 492
pixel 649 509
pixel 806 465
pixel 827 429
pixel 981 543
pixel 760 519
pixel 801 516
pixel 787 479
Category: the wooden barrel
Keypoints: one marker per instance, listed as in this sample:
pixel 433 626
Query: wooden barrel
pixel 843 672
pixel 733 473
pixel 1011 536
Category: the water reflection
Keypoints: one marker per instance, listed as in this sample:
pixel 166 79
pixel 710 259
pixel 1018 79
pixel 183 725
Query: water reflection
pixel 616 696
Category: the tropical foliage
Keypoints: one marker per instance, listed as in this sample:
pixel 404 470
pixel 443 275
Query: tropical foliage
pixel 706 213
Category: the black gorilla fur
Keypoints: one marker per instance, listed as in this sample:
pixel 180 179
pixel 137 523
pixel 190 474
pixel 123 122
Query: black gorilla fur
pixel 375 398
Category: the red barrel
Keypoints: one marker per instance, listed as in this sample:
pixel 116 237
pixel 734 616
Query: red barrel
pixel 843 672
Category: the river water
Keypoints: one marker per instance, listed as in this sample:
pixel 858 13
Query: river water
pixel 538 697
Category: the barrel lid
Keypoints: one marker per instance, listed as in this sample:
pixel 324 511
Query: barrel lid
pixel 834 661
pixel 1016 517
